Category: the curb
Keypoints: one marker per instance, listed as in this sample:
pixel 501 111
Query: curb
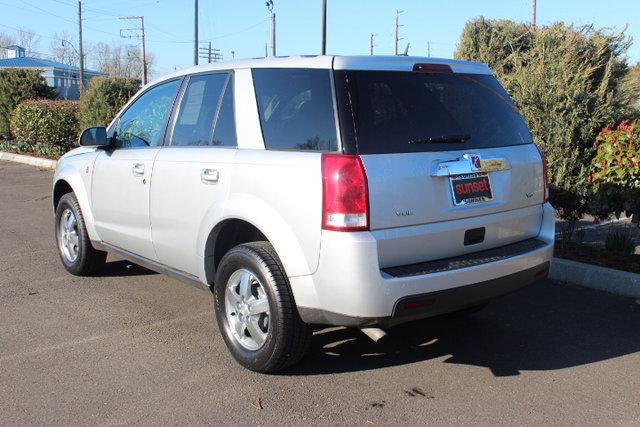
pixel 29 160
pixel 596 277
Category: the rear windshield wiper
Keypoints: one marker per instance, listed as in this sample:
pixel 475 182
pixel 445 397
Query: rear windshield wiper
pixel 463 137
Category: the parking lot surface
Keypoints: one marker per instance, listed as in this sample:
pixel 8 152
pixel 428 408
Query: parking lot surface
pixel 135 347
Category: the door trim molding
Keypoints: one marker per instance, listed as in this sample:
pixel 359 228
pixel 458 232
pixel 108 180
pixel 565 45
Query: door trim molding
pixel 152 265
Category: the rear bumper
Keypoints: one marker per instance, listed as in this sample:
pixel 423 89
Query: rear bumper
pixel 434 303
pixel 350 289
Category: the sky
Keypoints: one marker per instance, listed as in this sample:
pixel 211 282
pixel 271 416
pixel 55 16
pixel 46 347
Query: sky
pixel 243 26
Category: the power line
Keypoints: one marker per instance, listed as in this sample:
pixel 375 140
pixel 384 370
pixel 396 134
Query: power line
pixel 56 16
pixel 215 37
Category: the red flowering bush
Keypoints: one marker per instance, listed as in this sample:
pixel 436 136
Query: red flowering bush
pixel 615 177
pixel 46 124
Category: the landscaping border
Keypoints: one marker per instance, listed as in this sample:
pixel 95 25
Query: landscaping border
pixel 29 160
pixel 595 277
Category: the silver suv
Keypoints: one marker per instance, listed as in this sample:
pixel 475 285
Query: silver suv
pixel 353 191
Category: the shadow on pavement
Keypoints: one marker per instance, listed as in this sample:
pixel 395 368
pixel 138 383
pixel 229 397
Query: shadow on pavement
pixel 544 327
pixel 124 268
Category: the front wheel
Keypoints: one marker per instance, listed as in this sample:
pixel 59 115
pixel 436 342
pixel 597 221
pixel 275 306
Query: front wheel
pixel 255 309
pixel 74 246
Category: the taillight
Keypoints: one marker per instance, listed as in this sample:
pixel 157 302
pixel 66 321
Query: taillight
pixel 545 174
pixel 345 201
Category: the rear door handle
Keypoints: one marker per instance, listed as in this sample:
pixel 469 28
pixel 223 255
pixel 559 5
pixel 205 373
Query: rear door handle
pixel 209 176
pixel 138 169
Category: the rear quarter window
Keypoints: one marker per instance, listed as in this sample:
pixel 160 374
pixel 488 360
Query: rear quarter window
pixel 296 108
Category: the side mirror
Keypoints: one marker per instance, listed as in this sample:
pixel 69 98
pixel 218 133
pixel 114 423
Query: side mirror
pixel 94 137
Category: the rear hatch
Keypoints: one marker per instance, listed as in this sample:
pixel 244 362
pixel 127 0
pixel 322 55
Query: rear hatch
pixel 447 156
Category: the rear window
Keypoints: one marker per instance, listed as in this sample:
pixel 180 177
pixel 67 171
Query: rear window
pixel 296 108
pixel 404 112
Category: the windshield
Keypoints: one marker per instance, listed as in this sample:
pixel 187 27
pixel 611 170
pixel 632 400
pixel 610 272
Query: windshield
pixel 405 112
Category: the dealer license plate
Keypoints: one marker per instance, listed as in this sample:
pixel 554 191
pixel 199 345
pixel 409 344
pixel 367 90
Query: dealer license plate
pixel 471 188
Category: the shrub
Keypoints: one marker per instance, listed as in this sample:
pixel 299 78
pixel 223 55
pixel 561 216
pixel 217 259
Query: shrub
pixel 17 85
pixel 568 83
pixel 46 125
pixel 616 171
pixel 104 97
pixel 620 241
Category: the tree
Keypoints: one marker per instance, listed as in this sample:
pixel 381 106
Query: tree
pixel 29 40
pixel 64 49
pixel 104 97
pixel 17 85
pixel 568 83
pixel 120 61
pixel 632 84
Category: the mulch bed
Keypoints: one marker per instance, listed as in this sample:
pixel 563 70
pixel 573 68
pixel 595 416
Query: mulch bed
pixel 598 256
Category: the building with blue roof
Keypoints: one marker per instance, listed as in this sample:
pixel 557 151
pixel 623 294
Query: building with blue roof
pixel 63 78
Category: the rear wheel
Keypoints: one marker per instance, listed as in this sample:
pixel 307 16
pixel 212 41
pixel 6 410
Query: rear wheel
pixel 255 309
pixel 74 246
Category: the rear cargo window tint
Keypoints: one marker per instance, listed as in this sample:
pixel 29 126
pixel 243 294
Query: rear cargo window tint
pixel 296 109
pixel 404 112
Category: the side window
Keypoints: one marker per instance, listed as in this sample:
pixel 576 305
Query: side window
pixel 195 121
pixel 296 109
pixel 143 123
pixel 225 133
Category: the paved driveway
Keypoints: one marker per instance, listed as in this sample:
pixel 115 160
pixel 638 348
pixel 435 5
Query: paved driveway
pixel 134 347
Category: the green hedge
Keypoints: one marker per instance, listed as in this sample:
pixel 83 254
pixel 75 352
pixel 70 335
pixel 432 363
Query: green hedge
pixel 45 126
pixel 568 83
pixel 104 97
pixel 16 85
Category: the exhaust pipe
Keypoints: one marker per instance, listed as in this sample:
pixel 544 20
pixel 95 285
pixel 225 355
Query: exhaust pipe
pixel 376 334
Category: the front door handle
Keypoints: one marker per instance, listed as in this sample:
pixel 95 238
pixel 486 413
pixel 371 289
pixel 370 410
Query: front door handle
pixel 138 169
pixel 209 176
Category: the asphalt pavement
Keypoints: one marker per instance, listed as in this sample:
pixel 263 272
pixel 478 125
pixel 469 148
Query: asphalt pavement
pixel 135 347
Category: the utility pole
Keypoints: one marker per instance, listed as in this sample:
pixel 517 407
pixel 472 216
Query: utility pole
pixel 398 38
pixel 81 87
pixel 195 33
pixel 210 54
pixel 273 34
pixel 137 33
pixel 324 27
pixel 144 53
pixel 371 44
pixel 233 54
pixel 269 4
pixel 429 49
pixel 533 14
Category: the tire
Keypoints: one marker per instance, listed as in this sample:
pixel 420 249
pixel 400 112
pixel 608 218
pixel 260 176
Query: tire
pixel 282 338
pixel 82 259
